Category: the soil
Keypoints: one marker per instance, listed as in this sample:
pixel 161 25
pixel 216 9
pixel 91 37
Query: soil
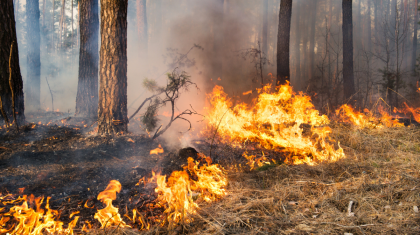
pixel 64 159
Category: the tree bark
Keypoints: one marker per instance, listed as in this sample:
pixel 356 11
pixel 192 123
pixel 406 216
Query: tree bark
pixel 7 37
pixel 33 89
pixel 348 73
pixel 283 42
pixel 87 88
pixel 414 53
pixel 142 27
pixel 112 111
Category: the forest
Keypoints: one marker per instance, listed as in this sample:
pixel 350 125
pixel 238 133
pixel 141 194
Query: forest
pixel 209 117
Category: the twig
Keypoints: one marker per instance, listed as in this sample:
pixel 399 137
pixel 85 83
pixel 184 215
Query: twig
pixel 142 104
pixel 52 98
pixel 11 88
pixel 217 128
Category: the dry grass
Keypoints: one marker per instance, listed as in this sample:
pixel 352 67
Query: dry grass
pixel 380 176
pixel 379 179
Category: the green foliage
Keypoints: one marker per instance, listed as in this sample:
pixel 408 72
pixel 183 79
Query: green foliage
pixel 150 119
pixel 150 85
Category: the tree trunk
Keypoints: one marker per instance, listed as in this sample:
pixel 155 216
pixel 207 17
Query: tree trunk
pixel 142 27
pixel 218 39
pixel 87 88
pixel 33 89
pixel 414 53
pixel 112 111
pixel 348 74
pixel 298 19
pixel 369 27
pixel 312 40
pixel 265 28
pixel 7 37
pixel 283 42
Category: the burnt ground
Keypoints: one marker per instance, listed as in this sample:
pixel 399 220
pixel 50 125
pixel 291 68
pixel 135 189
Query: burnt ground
pixel 59 156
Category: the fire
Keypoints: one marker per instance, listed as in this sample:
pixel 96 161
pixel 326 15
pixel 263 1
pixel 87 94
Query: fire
pixel 157 150
pixel 247 92
pixel 275 121
pixel 179 192
pixel 366 119
pixel 414 111
pixel 33 221
pixel 109 216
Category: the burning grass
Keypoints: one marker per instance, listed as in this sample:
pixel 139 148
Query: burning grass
pixel 375 190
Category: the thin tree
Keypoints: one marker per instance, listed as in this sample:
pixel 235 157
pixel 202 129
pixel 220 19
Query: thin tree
pixel 142 27
pixel 283 42
pixel 87 88
pixel 348 73
pixel 112 111
pixel 34 54
pixel 414 52
pixel 312 39
pixel 11 85
pixel 265 32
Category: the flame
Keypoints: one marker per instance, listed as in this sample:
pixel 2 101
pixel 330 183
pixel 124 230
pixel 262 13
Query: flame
pixel 157 150
pixel 414 111
pixel 247 92
pixel 179 192
pixel 32 221
pixel 109 216
pixel 274 121
pixel 367 119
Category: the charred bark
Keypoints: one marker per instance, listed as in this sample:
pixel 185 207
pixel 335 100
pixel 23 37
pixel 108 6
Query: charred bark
pixel 283 42
pixel 87 88
pixel 33 90
pixel 7 37
pixel 112 111
pixel 348 73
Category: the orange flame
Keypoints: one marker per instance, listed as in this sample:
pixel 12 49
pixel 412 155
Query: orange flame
pixel 109 216
pixel 179 191
pixel 36 221
pixel 366 119
pixel 274 121
pixel 157 150
pixel 247 92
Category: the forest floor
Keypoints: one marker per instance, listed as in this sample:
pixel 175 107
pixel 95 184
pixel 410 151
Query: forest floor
pixel 374 190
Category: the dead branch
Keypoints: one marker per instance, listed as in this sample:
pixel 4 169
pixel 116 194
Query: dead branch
pixel 142 104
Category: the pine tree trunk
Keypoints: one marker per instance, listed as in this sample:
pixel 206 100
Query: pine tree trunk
pixel 112 111
pixel 33 89
pixel 283 42
pixel 142 27
pixel 369 27
pixel 87 88
pixel 414 52
pixel 265 28
pixel 218 39
pixel 7 37
pixel 348 74
pixel 312 39
pixel 297 41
